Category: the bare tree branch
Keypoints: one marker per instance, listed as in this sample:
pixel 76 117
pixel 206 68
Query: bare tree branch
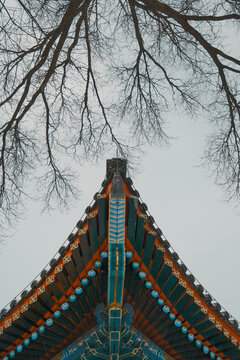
pixel 77 75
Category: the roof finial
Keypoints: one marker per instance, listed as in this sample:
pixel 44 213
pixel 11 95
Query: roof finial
pixel 116 165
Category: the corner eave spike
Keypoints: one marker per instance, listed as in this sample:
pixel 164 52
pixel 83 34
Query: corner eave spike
pixel 116 165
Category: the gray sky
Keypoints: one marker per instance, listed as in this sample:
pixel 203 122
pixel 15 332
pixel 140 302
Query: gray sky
pixel 182 198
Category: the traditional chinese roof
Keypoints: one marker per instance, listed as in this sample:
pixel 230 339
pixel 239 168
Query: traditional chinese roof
pixel 117 291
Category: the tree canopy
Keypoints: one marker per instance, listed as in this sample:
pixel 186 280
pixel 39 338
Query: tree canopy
pixel 75 73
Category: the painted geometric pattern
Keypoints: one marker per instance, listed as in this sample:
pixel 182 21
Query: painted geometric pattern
pixel 117 221
pixel 95 344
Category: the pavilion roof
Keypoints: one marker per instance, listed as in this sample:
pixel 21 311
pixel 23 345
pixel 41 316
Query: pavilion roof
pixel 171 309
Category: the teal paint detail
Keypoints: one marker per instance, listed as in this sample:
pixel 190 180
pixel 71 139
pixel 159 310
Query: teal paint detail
pixel 65 306
pixel 129 254
pixel 104 254
pixel 116 224
pixel 148 284
pixel 160 301
pixel 190 337
pixel 205 349
pixel 184 330
pixel 72 298
pixel 91 273
pixel 97 343
pixel 142 275
pixel 41 329
pixel 12 354
pixel 19 348
pixel 116 273
pixel 98 264
pixel 85 281
pixel 212 355
pixel 57 314
pixel 166 309
pixel 116 263
pixel 172 316
pixel 34 335
pixel 154 293
pixel 79 290
pixel 135 265
pixel 26 342
pixel 198 343
pixel 178 323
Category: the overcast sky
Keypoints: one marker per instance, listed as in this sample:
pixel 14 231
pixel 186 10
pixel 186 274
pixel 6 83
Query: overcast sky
pixel 182 198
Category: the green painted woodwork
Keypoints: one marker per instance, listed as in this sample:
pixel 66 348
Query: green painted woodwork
pixel 92 231
pixel 225 346
pixel 50 334
pixel 102 218
pixel 46 298
pixel 71 271
pixel 55 290
pixel 212 332
pixel 181 303
pixel 46 341
pixel 233 353
pixel 3 345
pixel 170 283
pixel 22 323
pixel 89 297
pixel 163 275
pixel 31 316
pixel 157 261
pixel 130 278
pixel 64 321
pixel 142 294
pixel 176 293
pixel 94 288
pixel 132 218
pixel 196 318
pixel 72 316
pixel 83 301
pixel 78 309
pixel 5 336
pixel 190 311
pixel 63 280
pixel 84 246
pixel 77 257
pixel 59 329
pixel 204 325
pixel 38 308
pixel 149 247
pixel 140 234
